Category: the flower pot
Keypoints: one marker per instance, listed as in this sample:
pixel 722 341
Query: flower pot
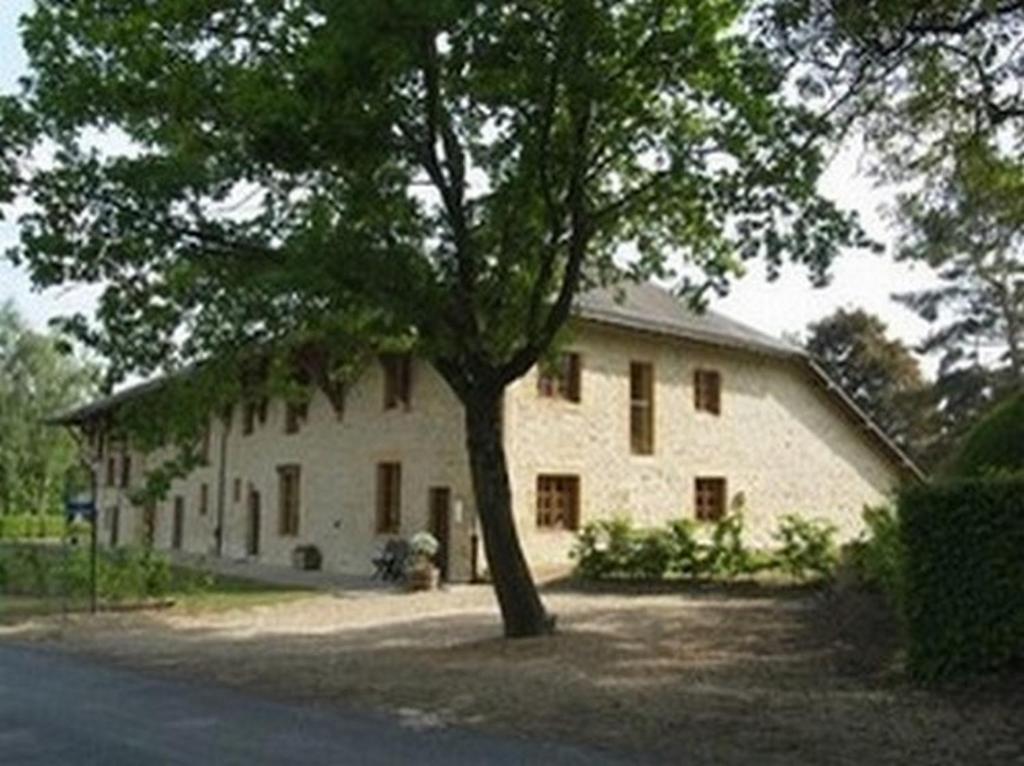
pixel 423 577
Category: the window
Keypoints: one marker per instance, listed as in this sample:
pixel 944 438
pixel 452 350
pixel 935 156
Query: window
pixel 126 471
pixel 204 498
pixel 641 408
pixel 294 414
pixel 709 499
pixel 288 509
pixel 249 418
pixel 558 502
pixel 561 380
pixel 178 527
pixel 237 491
pixel 111 471
pixel 204 446
pixel 389 498
pixel 707 391
pixel 397 380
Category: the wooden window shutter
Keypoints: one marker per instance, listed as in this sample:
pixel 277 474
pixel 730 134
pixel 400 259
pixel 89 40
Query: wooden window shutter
pixel 572 377
pixel 641 408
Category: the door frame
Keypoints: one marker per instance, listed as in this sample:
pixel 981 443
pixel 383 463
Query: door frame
pixel 439 517
pixel 253 523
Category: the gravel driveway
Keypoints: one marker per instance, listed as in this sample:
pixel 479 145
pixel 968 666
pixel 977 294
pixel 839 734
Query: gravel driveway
pixel 716 676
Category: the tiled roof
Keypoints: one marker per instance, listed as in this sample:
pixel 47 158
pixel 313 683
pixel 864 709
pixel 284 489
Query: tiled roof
pixel 652 308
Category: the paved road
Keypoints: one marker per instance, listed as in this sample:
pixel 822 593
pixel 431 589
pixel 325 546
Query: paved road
pixel 56 709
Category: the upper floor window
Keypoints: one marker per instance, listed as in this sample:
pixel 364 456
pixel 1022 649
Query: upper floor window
pixel 204 498
pixel 562 379
pixel 709 498
pixel 389 498
pixel 204 445
pixel 126 471
pixel 237 490
pixel 249 417
pixel 397 380
pixel 294 414
pixel 707 391
pixel 111 471
pixel 641 408
pixel 558 502
pixel 288 477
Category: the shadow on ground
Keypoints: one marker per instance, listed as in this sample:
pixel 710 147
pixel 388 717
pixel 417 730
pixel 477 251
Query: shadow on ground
pixel 735 675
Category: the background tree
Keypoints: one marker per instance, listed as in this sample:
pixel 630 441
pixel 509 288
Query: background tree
pixel 36 383
pixel 878 372
pixel 451 173
pixel 933 88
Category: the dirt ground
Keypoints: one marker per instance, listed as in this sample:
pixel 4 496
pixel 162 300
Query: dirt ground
pixel 739 675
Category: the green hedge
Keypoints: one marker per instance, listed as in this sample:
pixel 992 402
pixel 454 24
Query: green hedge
pixel 995 445
pixel 27 526
pixel 963 579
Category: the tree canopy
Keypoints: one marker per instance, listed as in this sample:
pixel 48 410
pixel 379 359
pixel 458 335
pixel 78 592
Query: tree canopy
pixel 37 382
pixel 994 445
pixel 447 174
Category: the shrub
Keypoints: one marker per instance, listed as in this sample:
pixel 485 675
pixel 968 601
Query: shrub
pixel 686 550
pixel 878 555
pixel 602 548
pixel 122 574
pixel 994 446
pixel 964 575
pixel 651 552
pixel 808 548
pixel 725 555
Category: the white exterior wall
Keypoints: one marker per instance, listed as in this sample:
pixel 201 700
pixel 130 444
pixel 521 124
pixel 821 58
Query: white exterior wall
pixel 780 441
pixel 338 460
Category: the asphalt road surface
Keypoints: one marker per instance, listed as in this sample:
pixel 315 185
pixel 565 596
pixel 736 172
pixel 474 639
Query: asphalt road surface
pixel 58 709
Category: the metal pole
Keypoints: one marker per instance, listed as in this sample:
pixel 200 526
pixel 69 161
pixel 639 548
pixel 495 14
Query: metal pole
pixel 93 518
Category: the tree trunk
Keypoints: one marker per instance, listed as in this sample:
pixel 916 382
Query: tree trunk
pixel 521 608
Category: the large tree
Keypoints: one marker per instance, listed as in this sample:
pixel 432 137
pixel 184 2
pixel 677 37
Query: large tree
pixel 878 372
pixel 37 382
pixel 451 173
pixel 933 88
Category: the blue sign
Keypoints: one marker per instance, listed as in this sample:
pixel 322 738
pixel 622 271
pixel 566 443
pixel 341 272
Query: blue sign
pixel 83 508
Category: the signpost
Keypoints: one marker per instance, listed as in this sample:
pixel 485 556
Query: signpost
pixel 85 508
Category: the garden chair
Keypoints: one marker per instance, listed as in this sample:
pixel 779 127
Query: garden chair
pixel 389 565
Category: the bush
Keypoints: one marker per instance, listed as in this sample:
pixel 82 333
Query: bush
pixel 122 574
pixel 686 549
pixel 726 556
pixel 878 556
pixel 963 576
pixel 28 526
pixel 602 548
pixel 994 446
pixel 807 548
pixel 613 548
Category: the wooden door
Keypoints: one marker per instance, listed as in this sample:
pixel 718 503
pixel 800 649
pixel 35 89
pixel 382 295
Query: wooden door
pixel 178 528
pixel 440 525
pixel 252 546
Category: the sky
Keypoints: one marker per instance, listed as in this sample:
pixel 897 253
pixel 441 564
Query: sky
pixel 788 305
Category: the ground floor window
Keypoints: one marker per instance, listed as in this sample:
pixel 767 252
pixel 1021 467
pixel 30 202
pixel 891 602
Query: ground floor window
pixel 389 498
pixel 558 502
pixel 709 498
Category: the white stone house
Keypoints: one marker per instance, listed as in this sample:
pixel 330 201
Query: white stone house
pixel 657 413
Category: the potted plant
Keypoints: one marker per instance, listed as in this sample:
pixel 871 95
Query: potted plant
pixel 422 573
